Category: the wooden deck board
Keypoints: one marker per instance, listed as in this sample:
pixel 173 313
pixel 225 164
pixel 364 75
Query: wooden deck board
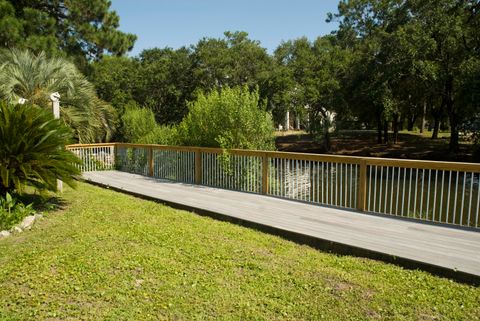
pixel 443 247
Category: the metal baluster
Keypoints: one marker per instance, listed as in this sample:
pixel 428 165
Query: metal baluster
pixel 416 194
pixel 380 190
pixel 428 192
pixel 421 195
pixel 370 183
pixel 478 203
pixel 351 184
pixel 440 207
pixel 375 190
pixel 386 191
pixel 435 195
pixel 409 192
pixel 341 184
pixel 470 200
pixel 455 199
pixel 391 191
pixel 448 196
pixel 463 197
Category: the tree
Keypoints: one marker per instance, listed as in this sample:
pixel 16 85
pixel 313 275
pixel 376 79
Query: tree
pixel 228 118
pixel 314 78
pixel 233 61
pixel 32 149
pixel 409 54
pixel 82 29
pixel 448 26
pixel 36 77
pixel 116 80
pixel 369 27
pixel 166 82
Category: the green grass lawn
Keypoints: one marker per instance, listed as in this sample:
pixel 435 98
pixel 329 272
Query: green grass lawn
pixel 108 256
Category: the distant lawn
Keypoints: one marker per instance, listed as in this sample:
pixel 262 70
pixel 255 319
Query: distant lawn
pixel 410 145
pixel 108 256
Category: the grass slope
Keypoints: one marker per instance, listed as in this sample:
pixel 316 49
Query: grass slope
pixel 108 256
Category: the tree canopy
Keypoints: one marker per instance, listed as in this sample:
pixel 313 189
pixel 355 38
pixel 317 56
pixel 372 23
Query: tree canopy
pixel 82 29
pixel 390 64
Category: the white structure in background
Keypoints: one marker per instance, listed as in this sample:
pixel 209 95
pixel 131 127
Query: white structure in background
pixel 287 120
pixel 55 98
pixel 329 121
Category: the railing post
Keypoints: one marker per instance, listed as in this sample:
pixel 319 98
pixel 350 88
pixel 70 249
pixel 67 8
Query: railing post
pixel 198 166
pixel 150 161
pixel 362 186
pixel 113 156
pixel 265 173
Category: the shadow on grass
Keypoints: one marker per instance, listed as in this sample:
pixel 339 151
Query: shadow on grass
pixel 42 203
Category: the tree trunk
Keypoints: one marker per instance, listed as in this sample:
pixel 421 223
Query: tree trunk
pixel 395 128
pixel 327 144
pixel 452 115
pixel 411 122
pixel 401 122
pixel 424 114
pixel 287 120
pixel 437 116
pixel 385 131
pixel 454 135
pixel 379 127
pixel 436 127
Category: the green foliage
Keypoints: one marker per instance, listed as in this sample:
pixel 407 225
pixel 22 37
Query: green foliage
pixel 409 55
pixel 228 118
pixel 35 77
pixel 32 149
pixel 82 29
pixel 139 126
pixel 232 61
pixel 12 211
pixel 162 135
pixel 116 80
pixel 167 82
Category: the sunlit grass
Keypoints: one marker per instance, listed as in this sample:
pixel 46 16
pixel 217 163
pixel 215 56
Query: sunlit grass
pixel 108 256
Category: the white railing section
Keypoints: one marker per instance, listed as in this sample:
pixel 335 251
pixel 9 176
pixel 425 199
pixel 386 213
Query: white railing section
pixel 132 159
pixel 234 172
pixel 427 194
pixel 430 191
pixel 327 183
pixel 95 158
pixel 174 165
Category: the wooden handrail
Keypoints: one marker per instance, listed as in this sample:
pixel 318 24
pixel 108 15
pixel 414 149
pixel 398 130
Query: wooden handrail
pixel 189 161
pixel 370 161
pixel 90 145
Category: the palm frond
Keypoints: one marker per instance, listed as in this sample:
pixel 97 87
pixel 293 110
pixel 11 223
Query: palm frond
pixel 34 77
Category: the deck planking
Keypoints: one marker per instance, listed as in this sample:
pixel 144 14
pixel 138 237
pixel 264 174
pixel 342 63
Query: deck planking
pixel 442 250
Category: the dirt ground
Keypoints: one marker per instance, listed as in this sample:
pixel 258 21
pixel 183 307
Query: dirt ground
pixel 364 143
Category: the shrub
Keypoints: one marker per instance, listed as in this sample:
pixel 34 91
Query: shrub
pixel 32 149
pixel 228 118
pixel 139 126
pixel 163 135
pixel 12 211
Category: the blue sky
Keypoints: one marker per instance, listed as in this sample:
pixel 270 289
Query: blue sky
pixel 176 23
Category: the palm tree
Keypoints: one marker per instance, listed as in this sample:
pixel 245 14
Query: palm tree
pixel 34 77
pixel 31 149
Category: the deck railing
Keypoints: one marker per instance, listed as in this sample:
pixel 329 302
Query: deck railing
pixel 444 192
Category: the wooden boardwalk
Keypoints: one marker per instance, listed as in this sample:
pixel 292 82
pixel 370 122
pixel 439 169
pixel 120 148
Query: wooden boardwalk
pixel 442 250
